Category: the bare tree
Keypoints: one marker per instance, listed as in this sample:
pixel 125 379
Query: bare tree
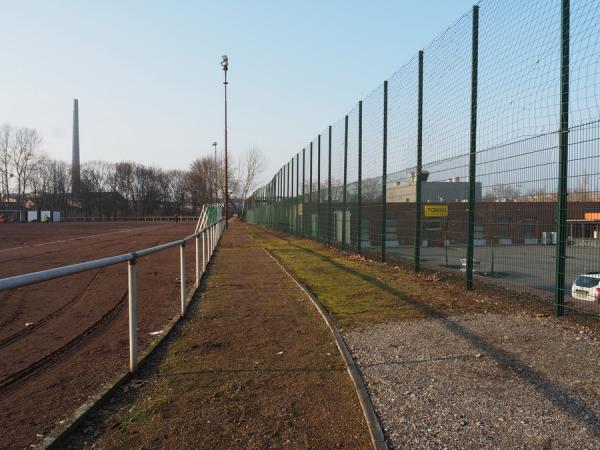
pixel 23 155
pixel 503 192
pixel 250 167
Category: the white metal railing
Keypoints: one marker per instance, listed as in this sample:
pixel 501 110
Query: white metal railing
pixel 206 241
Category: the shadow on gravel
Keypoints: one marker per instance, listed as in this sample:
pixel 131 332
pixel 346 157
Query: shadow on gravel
pixel 567 402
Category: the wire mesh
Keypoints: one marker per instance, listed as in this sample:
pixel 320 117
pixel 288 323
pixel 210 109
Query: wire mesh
pixel 402 162
pixel 534 60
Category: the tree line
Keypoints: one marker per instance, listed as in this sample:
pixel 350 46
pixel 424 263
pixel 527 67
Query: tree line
pixel 31 179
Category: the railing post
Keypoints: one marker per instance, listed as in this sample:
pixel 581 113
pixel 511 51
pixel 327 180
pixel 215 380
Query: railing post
pixel 384 171
pixel 359 238
pixel 418 212
pixel 182 275
pixel 204 251
pixel 197 240
pixel 473 149
pixel 132 288
pixel 561 207
pixel 214 237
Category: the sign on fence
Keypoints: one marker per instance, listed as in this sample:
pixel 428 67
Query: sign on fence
pixel 436 210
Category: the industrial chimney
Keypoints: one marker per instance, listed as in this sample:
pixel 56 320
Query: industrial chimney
pixel 75 170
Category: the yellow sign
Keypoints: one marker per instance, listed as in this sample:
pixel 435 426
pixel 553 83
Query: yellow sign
pixel 591 216
pixel 436 210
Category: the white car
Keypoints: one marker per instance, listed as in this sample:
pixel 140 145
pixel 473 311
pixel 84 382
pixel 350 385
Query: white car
pixel 587 287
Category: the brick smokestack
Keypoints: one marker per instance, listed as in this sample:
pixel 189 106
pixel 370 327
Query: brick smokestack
pixel 75 169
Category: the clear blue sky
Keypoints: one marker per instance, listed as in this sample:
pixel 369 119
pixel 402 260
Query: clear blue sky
pixel 148 79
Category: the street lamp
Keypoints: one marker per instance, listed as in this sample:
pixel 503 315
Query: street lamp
pixel 225 66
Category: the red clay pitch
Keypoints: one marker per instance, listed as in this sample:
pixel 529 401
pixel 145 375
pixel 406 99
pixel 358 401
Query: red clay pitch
pixel 61 340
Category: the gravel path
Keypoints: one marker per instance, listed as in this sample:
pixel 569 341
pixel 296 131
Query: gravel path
pixel 482 381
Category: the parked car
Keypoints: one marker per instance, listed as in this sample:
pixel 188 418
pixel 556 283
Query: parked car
pixel 587 287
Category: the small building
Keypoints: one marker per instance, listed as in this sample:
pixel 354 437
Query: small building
pixel 453 190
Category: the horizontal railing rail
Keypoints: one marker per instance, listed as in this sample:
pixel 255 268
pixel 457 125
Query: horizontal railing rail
pixel 206 241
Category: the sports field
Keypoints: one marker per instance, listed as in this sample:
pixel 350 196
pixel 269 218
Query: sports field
pixel 61 340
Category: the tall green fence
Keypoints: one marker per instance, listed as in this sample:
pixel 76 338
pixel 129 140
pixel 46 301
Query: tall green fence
pixel 481 154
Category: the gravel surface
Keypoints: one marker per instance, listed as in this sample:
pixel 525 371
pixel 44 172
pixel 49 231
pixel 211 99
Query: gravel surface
pixel 483 381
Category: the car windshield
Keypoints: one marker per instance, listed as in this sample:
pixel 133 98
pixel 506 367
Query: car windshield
pixel 587 282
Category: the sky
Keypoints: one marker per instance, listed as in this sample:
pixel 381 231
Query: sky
pixel 149 83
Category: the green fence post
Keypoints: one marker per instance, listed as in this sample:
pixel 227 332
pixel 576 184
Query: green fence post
pixel 329 221
pixel 561 207
pixel 418 212
pixel 287 200
pixel 310 189
pixel 359 202
pixel 296 225
pixel 303 188
pixel 319 187
pixel 384 171
pixel 345 181
pixel 473 148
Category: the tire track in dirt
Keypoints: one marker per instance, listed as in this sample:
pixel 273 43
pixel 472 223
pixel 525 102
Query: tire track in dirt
pixel 46 319
pixel 41 362
pixel 10 383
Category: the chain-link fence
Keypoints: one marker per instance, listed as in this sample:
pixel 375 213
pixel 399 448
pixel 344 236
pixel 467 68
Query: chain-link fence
pixel 481 154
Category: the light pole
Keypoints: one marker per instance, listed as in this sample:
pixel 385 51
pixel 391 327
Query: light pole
pixel 225 66
pixel 216 174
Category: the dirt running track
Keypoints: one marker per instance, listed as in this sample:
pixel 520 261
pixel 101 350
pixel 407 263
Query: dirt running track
pixel 61 340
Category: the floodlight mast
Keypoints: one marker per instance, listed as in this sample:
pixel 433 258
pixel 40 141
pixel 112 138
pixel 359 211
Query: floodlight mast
pixel 225 67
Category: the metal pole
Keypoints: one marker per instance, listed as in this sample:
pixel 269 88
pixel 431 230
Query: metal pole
pixel 296 225
pixel 303 186
pixel 359 238
pixel 345 181
pixel 226 194
pixel 329 192
pixel 204 251
pixel 384 171
pixel 419 166
pixel 132 286
pixel 197 261
pixel 310 190
pixel 473 149
pixel 319 187
pixel 182 275
pixel 561 213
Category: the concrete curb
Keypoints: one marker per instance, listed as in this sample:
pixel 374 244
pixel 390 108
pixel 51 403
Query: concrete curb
pixel 375 430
